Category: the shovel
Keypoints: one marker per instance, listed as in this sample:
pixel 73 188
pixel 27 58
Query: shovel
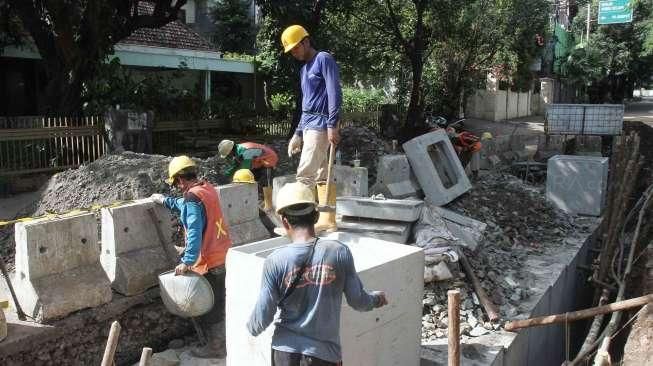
pixel 329 182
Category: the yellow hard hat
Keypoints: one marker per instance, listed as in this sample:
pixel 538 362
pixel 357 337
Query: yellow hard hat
pixel 486 136
pixel 291 36
pixel 225 147
pixel 295 194
pixel 178 164
pixel 243 176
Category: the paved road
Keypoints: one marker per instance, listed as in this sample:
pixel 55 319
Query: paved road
pixel 640 111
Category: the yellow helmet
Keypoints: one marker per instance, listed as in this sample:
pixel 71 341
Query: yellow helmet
pixel 486 136
pixel 294 194
pixel 243 176
pixel 178 164
pixel 225 147
pixel 291 36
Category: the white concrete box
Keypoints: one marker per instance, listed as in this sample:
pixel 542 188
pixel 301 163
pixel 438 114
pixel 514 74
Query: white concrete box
pixel 386 336
pixel 577 184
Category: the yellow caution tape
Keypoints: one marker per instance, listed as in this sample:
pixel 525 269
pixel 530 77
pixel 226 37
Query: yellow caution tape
pixel 52 215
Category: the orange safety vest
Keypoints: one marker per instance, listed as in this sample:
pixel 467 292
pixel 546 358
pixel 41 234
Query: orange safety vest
pixel 215 238
pixel 268 159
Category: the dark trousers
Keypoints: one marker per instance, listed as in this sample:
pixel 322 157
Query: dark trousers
pixel 280 358
pixel 215 276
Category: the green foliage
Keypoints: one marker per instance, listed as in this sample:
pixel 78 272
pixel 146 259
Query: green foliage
pixel 282 103
pixel 360 100
pixel 235 31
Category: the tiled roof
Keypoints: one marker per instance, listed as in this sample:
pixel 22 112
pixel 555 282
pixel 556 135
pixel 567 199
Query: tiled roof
pixel 172 35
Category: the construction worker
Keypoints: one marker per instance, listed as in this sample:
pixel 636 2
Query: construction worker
pixel 206 243
pixel 257 158
pixel 318 125
pixel 306 280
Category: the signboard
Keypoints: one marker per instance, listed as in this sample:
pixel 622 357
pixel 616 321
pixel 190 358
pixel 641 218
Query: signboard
pixel 615 11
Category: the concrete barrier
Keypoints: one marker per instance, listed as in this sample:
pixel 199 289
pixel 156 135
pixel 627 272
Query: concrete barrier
pixel 395 178
pixel 239 203
pixel 437 167
pixel 349 182
pixel 132 254
pixel 577 184
pixel 57 266
pixel 386 336
pixel 395 210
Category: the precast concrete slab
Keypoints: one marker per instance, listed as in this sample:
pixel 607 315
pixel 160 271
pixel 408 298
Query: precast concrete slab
pixel 57 266
pixel 248 232
pixel 132 253
pixel 395 210
pixel 395 178
pixel 384 336
pixel 349 181
pixel 469 231
pixel 577 184
pixel 437 167
pixel 392 231
pixel 239 202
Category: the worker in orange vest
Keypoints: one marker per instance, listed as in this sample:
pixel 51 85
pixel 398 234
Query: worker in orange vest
pixel 206 243
pixel 258 158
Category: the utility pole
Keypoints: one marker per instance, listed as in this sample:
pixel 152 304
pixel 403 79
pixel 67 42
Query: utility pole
pixel 589 12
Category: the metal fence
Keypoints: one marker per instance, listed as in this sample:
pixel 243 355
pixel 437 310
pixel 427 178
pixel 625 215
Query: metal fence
pixel 584 119
pixel 40 144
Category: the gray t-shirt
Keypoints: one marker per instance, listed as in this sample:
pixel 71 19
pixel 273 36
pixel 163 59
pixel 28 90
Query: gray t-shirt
pixel 309 322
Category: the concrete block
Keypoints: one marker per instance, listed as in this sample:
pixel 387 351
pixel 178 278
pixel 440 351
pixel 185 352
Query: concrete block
pixel 437 167
pixel 577 184
pixel 470 232
pixel 132 254
pixel 396 210
pixel 247 232
pixel 57 266
pixel 349 181
pixel 395 178
pixel 392 231
pixel 386 336
pixel 239 202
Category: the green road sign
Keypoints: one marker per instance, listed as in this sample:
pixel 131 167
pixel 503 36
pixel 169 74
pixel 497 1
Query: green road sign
pixel 615 11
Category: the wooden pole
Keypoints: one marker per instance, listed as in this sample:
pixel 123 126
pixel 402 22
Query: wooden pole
pixel 145 357
pixel 581 314
pixel 453 357
pixel 112 344
pixel 490 308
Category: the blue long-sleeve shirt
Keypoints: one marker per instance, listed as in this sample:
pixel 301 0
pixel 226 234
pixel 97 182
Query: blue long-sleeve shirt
pixel 193 218
pixel 321 93
pixel 309 322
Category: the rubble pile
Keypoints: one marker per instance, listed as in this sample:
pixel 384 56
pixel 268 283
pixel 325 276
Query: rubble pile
pixel 520 222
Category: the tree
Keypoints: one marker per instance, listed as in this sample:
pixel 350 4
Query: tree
pixel 75 37
pixel 234 28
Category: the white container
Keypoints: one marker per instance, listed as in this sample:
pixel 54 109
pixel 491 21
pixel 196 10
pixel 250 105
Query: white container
pixel 386 336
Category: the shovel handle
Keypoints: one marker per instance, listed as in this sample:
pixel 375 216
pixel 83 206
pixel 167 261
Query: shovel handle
pixel 332 153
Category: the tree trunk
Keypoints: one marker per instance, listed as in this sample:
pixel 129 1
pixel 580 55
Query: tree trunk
pixel 414 126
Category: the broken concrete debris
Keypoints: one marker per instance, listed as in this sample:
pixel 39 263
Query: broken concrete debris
pixel 395 178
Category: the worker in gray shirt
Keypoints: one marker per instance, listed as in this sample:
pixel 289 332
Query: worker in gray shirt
pixel 306 280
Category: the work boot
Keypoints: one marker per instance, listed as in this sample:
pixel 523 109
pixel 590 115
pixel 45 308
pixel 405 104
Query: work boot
pixel 327 220
pixel 215 347
pixel 267 198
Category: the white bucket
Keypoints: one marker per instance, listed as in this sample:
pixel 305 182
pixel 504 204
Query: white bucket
pixel 187 295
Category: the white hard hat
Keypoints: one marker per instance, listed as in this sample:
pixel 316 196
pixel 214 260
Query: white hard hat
pixel 295 194
pixel 225 147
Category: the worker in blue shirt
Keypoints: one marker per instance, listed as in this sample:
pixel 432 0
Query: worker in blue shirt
pixel 306 280
pixel 318 125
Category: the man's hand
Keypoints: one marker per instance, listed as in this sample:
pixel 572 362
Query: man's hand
pixel 382 299
pixel 157 198
pixel 333 134
pixel 179 250
pixel 181 269
pixel 295 145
